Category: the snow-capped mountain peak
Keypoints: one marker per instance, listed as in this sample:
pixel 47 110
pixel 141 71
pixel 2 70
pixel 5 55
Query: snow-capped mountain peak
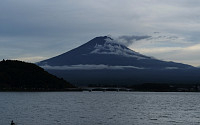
pixel 104 60
pixel 107 51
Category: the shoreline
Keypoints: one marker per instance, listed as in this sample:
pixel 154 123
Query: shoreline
pixel 93 90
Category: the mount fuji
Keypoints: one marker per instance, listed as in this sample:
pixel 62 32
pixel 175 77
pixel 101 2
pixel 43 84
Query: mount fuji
pixel 105 61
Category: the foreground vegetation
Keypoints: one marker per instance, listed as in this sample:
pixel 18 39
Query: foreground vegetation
pixel 22 76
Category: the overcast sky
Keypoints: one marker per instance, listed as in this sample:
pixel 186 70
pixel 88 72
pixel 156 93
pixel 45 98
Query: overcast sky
pixel 33 30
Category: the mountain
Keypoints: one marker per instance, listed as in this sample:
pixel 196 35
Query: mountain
pixel 104 51
pixel 105 61
pixel 21 76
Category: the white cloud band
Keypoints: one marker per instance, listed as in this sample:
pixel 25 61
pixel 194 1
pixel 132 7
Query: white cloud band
pixel 89 67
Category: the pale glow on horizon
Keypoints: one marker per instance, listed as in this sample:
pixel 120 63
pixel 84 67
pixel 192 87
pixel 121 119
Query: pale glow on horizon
pixel 31 59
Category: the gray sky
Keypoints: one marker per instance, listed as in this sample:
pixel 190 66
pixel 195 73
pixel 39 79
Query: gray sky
pixel 33 30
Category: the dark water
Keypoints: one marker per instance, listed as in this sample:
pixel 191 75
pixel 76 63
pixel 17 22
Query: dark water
pixel 99 108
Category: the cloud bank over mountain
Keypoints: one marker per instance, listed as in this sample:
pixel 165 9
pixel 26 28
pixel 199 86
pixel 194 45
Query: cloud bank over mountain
pixel 53 27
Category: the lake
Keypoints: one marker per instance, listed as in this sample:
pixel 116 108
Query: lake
pixel 99 108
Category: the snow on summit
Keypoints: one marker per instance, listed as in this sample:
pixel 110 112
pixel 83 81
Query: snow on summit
pixel 112 47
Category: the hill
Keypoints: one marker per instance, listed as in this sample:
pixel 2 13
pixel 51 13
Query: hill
pixel 21 76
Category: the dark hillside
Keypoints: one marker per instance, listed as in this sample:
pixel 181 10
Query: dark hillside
pixel 17 75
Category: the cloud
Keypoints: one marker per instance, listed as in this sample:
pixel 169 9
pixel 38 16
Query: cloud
pixel 128 40
pixel 89 67
pixel 171 68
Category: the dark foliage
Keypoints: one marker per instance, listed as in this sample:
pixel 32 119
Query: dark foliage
pixel 17 75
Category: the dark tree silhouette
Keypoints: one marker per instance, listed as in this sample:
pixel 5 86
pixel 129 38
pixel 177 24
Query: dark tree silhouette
pixel 18 75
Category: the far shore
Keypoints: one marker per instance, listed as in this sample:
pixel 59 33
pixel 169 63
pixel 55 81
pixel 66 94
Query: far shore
pixel 103 89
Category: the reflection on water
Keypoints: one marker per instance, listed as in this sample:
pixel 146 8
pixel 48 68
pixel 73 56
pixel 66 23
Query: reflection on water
pixel 99 108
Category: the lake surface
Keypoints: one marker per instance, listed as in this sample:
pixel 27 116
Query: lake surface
pixel 99 108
